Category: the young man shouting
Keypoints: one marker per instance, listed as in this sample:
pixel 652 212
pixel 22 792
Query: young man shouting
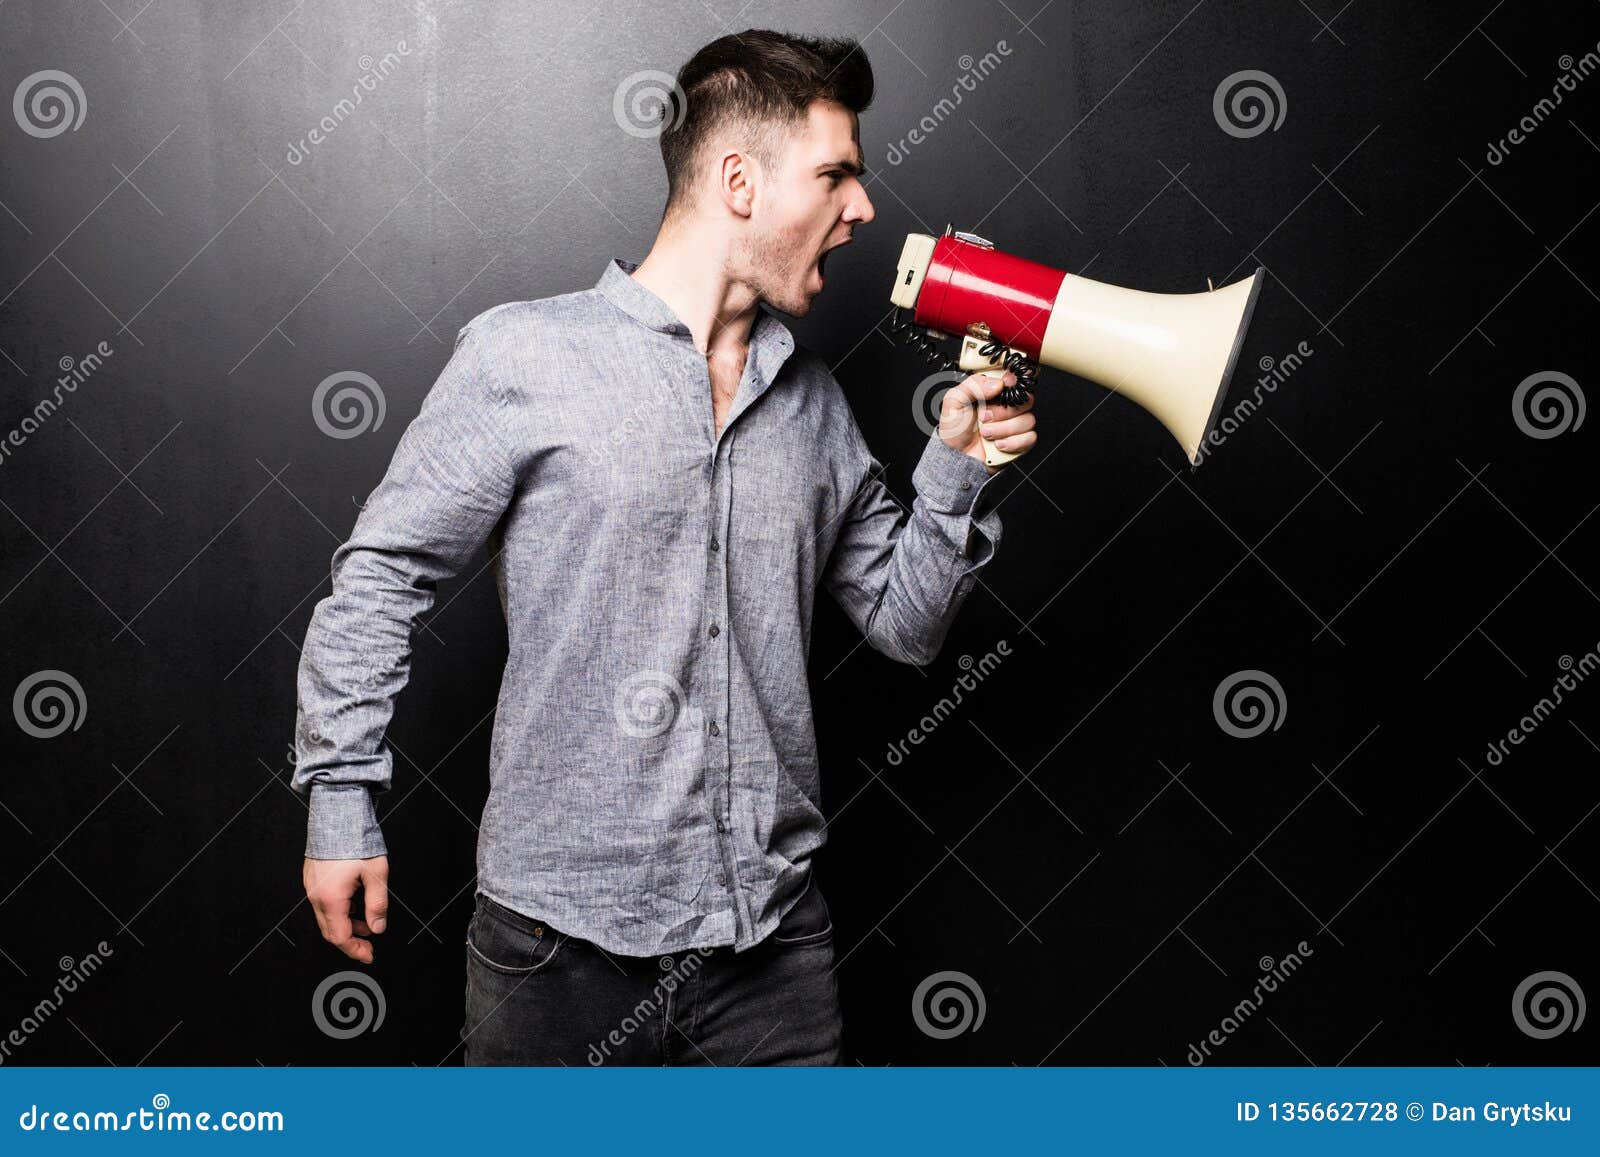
pixel 664 480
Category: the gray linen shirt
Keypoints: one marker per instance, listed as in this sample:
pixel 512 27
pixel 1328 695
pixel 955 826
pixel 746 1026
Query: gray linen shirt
pixel 653 768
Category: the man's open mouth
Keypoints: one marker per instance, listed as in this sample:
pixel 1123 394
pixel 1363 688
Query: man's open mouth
pixel 822 259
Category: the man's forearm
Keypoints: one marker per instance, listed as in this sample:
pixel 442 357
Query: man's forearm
pixel 355 660
pixel 916 572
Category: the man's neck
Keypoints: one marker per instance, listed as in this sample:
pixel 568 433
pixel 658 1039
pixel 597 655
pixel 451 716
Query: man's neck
pixel 691 278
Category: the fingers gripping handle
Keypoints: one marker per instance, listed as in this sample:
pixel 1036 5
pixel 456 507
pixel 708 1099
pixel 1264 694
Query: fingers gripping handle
pixel 973 361
pixel 992 454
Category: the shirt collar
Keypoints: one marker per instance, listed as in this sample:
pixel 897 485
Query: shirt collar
pixel 768 335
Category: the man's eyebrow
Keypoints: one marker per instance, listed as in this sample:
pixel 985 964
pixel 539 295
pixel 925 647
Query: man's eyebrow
pixel 853 167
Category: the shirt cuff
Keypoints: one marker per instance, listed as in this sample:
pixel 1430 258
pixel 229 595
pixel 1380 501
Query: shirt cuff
pixel 955 492
pixel 343 823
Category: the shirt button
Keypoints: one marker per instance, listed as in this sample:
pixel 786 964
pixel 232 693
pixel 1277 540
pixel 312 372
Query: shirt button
pixel 721 827
pixel 715 630
pixel 966 486
pixel 713 728
pixel 715 545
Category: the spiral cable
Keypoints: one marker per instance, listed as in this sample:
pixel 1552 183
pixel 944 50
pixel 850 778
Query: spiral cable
pixel 1019 364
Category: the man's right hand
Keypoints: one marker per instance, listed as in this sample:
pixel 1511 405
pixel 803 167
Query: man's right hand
pixel 330 886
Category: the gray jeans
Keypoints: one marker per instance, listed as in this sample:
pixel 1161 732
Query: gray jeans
pixel 536 996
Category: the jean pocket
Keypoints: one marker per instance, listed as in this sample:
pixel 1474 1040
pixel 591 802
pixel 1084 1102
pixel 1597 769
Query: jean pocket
pixel 808 922
pixel 508 942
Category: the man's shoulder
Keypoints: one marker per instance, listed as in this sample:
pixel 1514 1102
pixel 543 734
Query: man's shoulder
pixel 808 363
pixel 822 388
pixel 521 322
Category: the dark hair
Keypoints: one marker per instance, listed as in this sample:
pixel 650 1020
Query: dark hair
pixel 764 82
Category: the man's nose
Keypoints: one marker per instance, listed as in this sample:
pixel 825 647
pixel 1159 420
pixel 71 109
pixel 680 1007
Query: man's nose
pixel 861 209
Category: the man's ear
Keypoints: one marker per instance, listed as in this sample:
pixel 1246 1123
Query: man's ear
pixel 736 175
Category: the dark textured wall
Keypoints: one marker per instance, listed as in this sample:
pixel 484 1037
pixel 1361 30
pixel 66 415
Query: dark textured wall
pixel 1395 537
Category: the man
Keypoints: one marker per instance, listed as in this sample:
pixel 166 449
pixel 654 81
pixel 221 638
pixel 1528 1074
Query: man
pixel 664 479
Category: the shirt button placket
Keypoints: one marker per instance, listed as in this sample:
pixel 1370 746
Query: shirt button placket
pixel 718 685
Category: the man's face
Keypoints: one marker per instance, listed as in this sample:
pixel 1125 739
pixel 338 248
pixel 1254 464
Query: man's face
pixel 809 205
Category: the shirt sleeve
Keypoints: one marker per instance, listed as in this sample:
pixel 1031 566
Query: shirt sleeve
pixel 902 576
pixel 447 486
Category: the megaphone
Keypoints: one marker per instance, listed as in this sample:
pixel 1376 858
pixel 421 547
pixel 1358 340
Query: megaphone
pixel 1172 353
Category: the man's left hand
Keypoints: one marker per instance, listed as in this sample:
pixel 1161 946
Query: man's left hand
pixel 967 416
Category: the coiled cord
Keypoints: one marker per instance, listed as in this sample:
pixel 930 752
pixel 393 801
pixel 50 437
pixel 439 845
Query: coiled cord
pixel 1025 369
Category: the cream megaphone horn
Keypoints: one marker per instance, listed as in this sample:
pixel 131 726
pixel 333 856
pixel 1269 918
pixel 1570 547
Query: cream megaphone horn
pixel 1172 353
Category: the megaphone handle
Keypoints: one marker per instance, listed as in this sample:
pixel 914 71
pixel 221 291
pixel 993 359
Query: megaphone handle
pixel 992 454
pixel 975 360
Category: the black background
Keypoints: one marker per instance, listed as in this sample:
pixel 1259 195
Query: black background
pixel 1382 538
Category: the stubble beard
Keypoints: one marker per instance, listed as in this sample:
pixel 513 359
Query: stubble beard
pixel 777 265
